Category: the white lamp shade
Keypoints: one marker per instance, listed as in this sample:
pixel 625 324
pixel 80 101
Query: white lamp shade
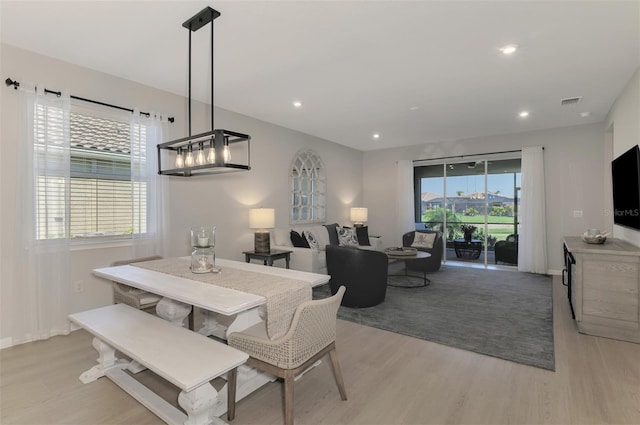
pixel 262 218
pixel 359 215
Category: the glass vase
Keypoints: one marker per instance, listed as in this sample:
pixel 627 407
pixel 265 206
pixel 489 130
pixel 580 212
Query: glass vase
pixel 203 236
pixel 203 260
pixel 203 256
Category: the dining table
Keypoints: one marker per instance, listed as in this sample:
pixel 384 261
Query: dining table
pixel 237 297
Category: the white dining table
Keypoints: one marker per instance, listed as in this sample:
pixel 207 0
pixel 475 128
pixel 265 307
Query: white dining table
pixel 224 309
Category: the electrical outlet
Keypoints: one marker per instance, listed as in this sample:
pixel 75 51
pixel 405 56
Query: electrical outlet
pixel 577 213
pixel 78 286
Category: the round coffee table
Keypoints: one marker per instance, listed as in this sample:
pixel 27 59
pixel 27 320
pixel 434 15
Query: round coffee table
pixel 407 254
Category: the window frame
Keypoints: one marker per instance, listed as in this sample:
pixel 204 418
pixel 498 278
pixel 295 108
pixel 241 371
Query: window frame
pixel 440 169
pixel 308 188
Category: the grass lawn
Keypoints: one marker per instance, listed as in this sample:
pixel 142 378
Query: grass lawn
pixel 492 219
pixel 499 226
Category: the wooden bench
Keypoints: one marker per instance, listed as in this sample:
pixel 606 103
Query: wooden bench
pixel 185 358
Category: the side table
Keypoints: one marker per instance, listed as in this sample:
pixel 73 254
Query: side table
pixel 268 257
pixel 466 249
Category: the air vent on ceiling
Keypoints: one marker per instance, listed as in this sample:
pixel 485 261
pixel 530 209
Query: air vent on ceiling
pixel 570 100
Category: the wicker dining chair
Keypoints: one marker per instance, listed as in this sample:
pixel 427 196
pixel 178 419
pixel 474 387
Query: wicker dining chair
pixel 311 336
pixel 137 298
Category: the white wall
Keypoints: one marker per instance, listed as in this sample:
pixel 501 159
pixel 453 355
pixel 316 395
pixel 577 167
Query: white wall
pixel 224 200
pixel 574 170
pixel 623 124
pixel 221 200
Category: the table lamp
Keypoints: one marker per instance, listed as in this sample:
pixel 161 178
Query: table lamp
pixel 262 219
pixel 358 216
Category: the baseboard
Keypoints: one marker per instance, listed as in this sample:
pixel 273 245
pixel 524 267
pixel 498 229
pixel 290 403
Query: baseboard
pixel 6 343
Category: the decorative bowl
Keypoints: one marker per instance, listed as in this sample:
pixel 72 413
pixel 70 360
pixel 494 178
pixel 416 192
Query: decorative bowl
pixel 595 239
pixel 408 251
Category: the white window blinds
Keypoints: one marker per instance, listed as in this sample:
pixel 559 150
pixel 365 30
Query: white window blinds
pixel 99 199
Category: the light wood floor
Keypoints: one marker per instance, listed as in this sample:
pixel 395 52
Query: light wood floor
pixel 390 379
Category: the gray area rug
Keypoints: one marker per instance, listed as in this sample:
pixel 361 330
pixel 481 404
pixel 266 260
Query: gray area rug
pixel 505 314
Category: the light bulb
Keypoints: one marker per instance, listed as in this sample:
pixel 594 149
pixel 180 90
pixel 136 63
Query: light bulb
pixel 179 159
pixel 211 157
pixel 189 161
pixel 226 153
pixel 200 156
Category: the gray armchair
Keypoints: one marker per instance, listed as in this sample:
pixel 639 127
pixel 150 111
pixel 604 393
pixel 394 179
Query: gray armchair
pixel 424 265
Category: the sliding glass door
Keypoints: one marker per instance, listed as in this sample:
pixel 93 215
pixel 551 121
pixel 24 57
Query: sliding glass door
pixel 475 204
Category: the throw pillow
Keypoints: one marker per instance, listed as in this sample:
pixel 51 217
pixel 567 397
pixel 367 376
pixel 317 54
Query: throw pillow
pixel 333 233
pixel 362 233
pixel 298 240
pixel 423 240
pixel 347 237
pixel 311 239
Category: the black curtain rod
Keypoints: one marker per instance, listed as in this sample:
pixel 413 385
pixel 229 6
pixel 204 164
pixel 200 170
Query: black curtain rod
pixel 16 84
pixel 465 156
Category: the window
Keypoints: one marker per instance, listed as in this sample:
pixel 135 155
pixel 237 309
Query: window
pixel 100 199
pixel 307 188
pixel 483 194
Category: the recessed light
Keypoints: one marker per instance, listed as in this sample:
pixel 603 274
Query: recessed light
pixel 523 114
pixel 585 114
pixel 376 136
pixel 297 104
pixel 510 49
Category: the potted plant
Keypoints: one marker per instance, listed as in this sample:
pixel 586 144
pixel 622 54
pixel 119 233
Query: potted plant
pixel 468 230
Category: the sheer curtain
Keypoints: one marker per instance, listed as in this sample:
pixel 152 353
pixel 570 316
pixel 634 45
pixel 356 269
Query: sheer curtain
pixel 405 204
pixel 149 226
pixel 532 243
pixel 39 299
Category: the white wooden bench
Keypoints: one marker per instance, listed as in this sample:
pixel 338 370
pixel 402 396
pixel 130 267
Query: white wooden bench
pixel 185 358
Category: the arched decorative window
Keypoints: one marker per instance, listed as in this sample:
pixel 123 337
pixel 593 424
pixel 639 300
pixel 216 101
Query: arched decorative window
pixel 308 185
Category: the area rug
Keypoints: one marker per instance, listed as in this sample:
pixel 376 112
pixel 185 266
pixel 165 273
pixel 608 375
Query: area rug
pixel 505 314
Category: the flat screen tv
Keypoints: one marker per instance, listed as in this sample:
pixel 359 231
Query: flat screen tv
pixel 625 171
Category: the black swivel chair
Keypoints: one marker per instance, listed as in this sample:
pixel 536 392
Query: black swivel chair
pixel 506 251
pixel 363 272
pixel 424 265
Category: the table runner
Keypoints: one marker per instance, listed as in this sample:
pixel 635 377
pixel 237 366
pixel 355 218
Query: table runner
pixel 283 295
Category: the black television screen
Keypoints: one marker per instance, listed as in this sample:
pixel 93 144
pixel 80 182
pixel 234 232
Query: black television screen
pixel 625 171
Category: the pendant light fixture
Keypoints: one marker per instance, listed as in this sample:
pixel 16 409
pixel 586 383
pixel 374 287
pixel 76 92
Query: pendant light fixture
pixel 204 153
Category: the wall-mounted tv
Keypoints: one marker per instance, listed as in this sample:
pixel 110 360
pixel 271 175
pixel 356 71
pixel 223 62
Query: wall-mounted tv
pixel 625 171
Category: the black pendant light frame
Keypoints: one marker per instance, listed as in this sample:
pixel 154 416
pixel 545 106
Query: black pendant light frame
pixel 217 140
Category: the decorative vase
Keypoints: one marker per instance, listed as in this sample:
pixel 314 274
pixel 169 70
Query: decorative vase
pixel 203 257
pixel 202 260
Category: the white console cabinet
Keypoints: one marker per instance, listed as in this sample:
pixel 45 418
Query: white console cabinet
pixel 604 287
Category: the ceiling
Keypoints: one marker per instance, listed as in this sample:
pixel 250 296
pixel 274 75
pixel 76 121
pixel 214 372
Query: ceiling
pixel 412 71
